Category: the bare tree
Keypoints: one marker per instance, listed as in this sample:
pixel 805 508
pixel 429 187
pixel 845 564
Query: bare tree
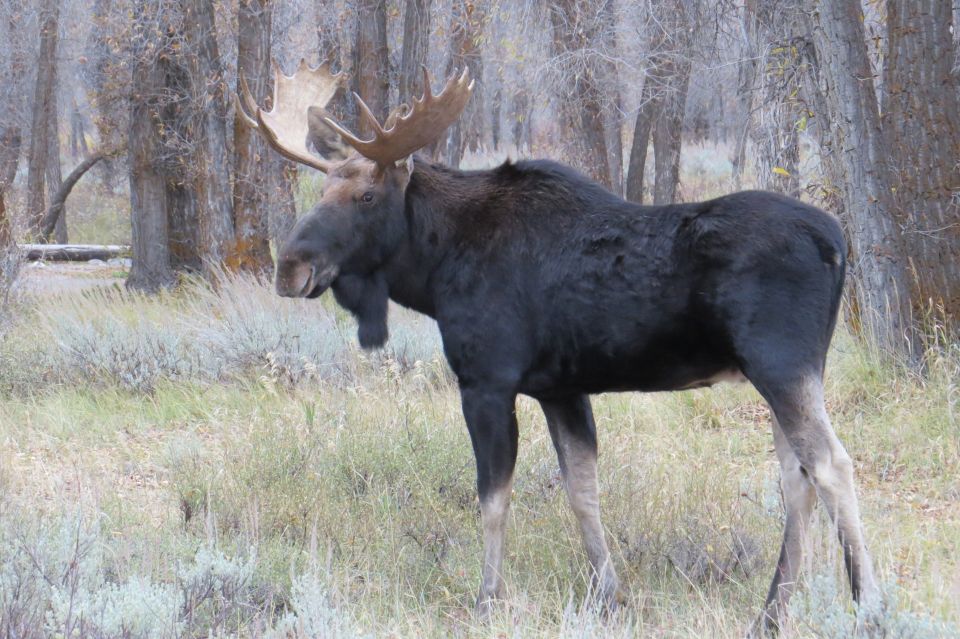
pixel 663 102
pixel 416 46
pixel 467 22
pixel 11 137
pixel 577 30
pixel 78 136
pixel 53 173
pixel 882 291
pixel 151 268
pixel 44 105
pixel 59 198
pixel 770 94
pixel 251 160
pixel 210 163
pixel 371 59
pixel 922 132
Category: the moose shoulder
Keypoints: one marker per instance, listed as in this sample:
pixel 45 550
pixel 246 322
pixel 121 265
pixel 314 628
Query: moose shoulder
pixel 544 283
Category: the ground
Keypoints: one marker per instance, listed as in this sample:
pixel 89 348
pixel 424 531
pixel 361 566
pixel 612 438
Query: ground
pixel 217 460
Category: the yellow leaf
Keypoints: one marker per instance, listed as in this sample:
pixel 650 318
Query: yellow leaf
pixel 781 171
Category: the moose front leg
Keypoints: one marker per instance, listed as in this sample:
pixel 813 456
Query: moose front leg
pixel 575 438
pixel 492 422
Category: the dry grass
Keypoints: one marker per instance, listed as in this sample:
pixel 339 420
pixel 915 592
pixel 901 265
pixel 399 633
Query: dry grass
pixel 343 482
pixel 220 462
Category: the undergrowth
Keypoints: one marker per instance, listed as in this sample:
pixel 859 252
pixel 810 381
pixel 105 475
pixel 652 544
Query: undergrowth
pixel 217 462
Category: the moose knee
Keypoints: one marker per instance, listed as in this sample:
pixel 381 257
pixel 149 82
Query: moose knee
pixel 832 470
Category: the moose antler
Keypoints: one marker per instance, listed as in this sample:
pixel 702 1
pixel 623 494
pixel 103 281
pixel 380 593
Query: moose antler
pixel 285 125
pixel 422 124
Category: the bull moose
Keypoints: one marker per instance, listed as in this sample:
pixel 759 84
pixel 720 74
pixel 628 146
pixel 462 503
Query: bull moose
pixel 543 282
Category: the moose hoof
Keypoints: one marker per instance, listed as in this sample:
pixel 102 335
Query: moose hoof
pixel 486 605
pixel 766 625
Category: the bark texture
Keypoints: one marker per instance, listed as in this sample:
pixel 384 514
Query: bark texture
pixel 921 122
pixel 44 103
pixel 416 46
pixel 151 268
pixel 371 60
pixel 581 108
pixel 252 160
pixel 211 164
pixel 662 104
pixel 466 38
pixel 54 174
pixel 881 304
pixel 58 200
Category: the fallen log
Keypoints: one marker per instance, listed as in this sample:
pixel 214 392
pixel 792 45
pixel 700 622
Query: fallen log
pixel 73 252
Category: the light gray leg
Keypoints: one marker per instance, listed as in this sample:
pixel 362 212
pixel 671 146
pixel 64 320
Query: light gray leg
pixel 492 423
pixel 494 508
pixel 799 498
pixel 574 437
pixel 805 426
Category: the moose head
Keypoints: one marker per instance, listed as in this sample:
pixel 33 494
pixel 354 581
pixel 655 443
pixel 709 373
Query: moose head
pixel 359 221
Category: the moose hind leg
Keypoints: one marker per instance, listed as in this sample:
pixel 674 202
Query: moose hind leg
pixel 799 498
pixel 574 436
pixel 802 417
pixel 492 423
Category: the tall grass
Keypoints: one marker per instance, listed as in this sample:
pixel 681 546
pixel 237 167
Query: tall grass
pixel 218 461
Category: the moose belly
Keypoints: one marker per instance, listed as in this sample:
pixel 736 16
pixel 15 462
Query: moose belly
pixel 664 363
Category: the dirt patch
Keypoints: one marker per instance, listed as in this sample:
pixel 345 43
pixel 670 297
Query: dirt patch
pixel 51 278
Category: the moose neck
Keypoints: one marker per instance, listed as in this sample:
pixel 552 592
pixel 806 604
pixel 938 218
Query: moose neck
pixel 433 196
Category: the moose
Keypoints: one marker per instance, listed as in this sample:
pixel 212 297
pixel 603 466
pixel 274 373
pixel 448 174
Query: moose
pixel 542 282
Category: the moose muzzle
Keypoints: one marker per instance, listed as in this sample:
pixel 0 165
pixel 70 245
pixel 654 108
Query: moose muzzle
pixel 296 278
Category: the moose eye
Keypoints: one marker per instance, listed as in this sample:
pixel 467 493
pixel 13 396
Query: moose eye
pixel 367 197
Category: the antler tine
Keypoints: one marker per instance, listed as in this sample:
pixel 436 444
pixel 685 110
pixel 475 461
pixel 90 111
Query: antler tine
pixel 427 91
pixel 425 121
pixel 246 104
pixel 348 137
pixel 369 116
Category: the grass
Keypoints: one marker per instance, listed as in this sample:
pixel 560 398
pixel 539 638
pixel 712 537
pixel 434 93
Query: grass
pixel 220 462
pixel 261 476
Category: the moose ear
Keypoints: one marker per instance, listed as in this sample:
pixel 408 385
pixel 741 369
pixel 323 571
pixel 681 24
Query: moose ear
pixel 404 171
pixel 322 137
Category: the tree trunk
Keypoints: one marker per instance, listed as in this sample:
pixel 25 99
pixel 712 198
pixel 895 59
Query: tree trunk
pixel 252 160
pixel 416 45
pixel 522 135
pixel 921 107
pixel 372 63
pixel 211 165
pixel 54 175
pixel 78 137
pixel 667 135
pixel 43 104
pixel 6 237
pixel 746 86
pixel 10 144
pixel 581 109
pixel 649 107
pixel 882 292
pixel 72 252
pixel 11 140
pixel 466 37
pixel 778 40
pixel 151 269
pixel 662 104
pixel 610 80
pixel 58 200
pixel 282 205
